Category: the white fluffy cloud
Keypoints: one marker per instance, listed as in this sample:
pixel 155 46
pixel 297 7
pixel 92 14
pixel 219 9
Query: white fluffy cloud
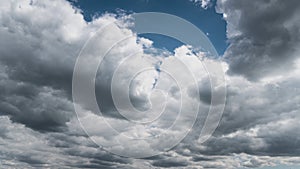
pixel 204 3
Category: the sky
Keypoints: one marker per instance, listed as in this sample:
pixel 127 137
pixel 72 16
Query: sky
pixel 206 19
pixel 81 88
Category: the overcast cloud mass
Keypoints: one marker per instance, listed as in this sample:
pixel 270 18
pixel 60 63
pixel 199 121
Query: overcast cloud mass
pixel 39 45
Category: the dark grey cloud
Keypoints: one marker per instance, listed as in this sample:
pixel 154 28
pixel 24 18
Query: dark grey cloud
pixel 263 36
pixel 170 163
pixel 41 108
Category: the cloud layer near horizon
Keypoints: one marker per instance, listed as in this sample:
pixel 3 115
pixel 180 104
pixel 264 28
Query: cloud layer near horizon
pixel 38 125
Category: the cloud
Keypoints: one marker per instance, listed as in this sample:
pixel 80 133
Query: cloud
pixel 38 53
pixel 263 36
pixel 50 149
pixel 259 118
pixel 37 60
pixel 204 3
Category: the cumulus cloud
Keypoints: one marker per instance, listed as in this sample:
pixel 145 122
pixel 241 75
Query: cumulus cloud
pixel 204 3
pixel 39 128
pixel 263 36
